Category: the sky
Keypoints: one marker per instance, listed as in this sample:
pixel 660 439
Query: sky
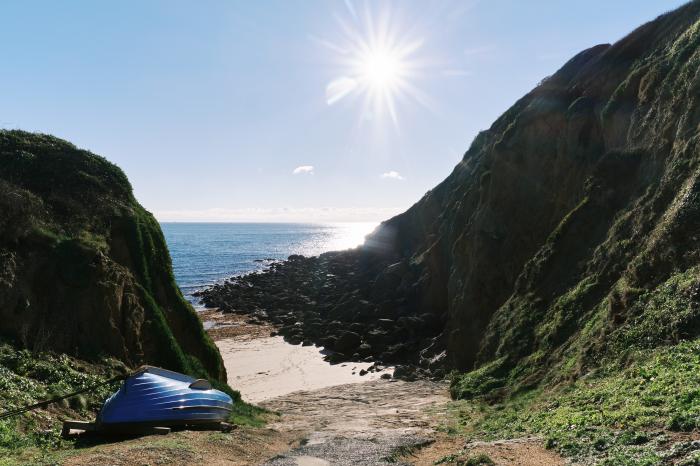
pixel 286 110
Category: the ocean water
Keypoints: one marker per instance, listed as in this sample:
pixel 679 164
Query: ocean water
pixel 206 253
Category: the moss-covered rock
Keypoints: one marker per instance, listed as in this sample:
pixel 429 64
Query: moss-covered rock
pixel 84 269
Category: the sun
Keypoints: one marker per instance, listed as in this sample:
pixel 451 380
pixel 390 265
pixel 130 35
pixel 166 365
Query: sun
pixel 376 62
pixel 381 69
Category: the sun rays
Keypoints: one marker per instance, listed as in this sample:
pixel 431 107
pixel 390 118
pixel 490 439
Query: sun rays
pixel 377 64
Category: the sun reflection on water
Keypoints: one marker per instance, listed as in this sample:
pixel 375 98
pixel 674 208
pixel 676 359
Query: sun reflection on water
pixel 333 237
pixel 350 235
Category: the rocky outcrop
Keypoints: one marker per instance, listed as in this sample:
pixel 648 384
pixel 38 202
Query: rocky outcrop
pixel 84 269
pixel 336 301
pixel 564 220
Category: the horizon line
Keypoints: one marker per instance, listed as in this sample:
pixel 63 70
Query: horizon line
pixel 280 215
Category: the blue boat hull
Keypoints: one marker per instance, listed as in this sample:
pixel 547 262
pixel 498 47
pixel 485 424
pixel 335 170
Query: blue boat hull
pixel 159 397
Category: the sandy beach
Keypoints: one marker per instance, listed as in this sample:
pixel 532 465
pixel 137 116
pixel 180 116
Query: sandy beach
pixel 265 368
pixel 262 367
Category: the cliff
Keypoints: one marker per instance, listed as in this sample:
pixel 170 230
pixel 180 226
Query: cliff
pixel 567 233
pixel 84 269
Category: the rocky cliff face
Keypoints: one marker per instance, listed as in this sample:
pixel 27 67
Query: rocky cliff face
pixel 84 269
pixel 551 242
pixel 551 235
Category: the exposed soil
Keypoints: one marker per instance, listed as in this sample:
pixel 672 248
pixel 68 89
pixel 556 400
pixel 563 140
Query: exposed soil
pixel 243 446
pixel 518 452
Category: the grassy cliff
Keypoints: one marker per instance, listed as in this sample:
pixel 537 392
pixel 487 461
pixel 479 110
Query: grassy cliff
pixel 566 255
pixel 85 269
pixel 86 292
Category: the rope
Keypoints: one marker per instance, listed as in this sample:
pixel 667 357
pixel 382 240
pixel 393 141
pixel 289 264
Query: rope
pixel 42 404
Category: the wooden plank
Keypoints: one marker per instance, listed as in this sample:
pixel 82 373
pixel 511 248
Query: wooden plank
pixel 221 426
pixel 76 425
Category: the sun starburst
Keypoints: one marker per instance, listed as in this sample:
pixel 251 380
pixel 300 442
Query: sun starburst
pixel 376 62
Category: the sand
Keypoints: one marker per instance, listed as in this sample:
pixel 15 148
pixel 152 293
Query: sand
pixel 268 367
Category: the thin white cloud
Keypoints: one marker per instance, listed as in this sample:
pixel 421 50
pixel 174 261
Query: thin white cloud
pixel 393 175
pixel 281 214
pixel 303 170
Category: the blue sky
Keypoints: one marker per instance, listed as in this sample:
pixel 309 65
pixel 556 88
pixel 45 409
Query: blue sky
pixel 211 106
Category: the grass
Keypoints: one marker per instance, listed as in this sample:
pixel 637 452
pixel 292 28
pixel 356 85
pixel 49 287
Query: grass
pixel 665 315
pixel 619 414
pixel 458 459
pixel 27 377
pixel 245 414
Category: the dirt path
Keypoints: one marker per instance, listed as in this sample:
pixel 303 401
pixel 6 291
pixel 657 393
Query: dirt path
pixel 371 423
pixel 366 423
pixel 359 423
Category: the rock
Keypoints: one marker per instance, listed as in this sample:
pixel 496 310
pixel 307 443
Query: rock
pixel 328 342
pixel 405 373
pixel 293 339
pixel 347 342
pixel 365 349
pixel 335 358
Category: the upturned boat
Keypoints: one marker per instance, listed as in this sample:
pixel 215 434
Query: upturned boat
pixel 154 399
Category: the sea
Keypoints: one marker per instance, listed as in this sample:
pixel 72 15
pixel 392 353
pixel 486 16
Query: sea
pixel 207 253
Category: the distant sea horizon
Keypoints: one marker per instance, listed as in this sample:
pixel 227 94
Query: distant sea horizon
pixel 205 253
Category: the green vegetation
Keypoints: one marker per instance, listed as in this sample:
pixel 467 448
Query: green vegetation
pixel 245 414
pixel 665 315
pixel 85 279
pixel 617 411
pixel 27 377
pixel 457 459
pixel 63 210
pixel 624 395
